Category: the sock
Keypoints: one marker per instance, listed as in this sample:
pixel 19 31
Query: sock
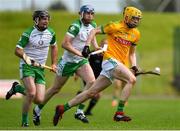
pixel 92 103
pixel 81 106
pixel 24 118
pixel 121 106
pixel 20 89
pixel 41 106
pixel 66 107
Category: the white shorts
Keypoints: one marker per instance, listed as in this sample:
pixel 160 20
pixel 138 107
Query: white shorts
pixel 107 68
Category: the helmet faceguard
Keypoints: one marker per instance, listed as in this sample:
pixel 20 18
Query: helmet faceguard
pixel 38 15
pixel 131 13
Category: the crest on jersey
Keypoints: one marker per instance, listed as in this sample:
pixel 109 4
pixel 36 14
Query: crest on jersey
pixel 41 42
pixel 72 28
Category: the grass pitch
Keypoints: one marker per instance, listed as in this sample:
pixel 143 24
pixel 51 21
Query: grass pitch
pixel 155 49
pixel 147 114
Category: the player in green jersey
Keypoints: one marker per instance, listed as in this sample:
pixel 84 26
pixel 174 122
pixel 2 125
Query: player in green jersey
pixel 33 48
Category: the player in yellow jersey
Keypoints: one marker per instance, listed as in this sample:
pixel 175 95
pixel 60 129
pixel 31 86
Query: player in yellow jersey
pixel 122 40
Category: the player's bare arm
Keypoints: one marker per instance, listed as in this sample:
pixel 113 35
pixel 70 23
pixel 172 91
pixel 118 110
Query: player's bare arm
pixel 92 34
pixel 132 55
pixel 132 59
pixel 95 44
pixel 19 52
pixel 54 55
pixel 86 50
pixel 67 44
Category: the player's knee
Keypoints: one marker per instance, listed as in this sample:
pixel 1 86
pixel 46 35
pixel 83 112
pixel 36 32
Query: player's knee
pixel 97 96
pixel 132 80
pixel 55 90
pixel 91 94
pixel 31 95
pixel 90 82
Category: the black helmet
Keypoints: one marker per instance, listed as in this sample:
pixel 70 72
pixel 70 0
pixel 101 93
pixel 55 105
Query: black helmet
pixel 40 14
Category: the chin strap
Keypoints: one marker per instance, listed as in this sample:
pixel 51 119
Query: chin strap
pixel 81 15
pixel 36 21
pixel 40 29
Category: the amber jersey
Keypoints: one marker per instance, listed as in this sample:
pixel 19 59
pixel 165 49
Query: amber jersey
pixel 120 38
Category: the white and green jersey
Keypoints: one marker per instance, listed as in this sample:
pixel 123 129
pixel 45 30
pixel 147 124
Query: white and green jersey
pixel 36 43
pixel 80 33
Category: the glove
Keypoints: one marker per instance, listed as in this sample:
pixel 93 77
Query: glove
pixel 134 69
pixel 86 51
pixel 28 60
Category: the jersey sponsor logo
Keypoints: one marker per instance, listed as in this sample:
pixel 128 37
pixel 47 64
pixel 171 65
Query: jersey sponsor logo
pixel 122 41
pixel 123 34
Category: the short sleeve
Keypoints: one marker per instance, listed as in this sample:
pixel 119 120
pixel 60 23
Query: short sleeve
pixel 53 34
pixel 53 41
pixel 109 28
pixel 138 35
pixel 23 41
pixel 73 30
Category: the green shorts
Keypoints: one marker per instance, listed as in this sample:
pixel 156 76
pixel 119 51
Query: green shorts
pixel 67 68
pixel 36 72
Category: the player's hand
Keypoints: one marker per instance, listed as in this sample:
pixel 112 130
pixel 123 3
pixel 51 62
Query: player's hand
pixel 54 68
pixel 98 48
pixel 134 69
pixel 86 51
pixel 28 60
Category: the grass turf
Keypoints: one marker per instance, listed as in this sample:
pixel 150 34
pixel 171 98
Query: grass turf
pixel 147 114
pixel 156 42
